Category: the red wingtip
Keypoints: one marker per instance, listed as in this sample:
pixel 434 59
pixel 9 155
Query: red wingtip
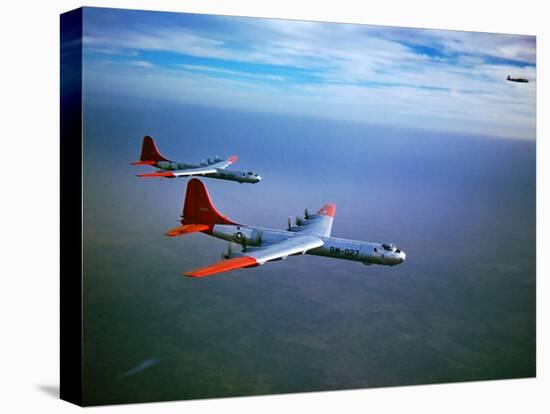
pixel 327 210
pixel 157 174
pixel 233 158
pixel 223 266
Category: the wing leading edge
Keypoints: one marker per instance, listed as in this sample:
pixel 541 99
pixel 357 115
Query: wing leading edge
pixel 259 255
pixel 180 173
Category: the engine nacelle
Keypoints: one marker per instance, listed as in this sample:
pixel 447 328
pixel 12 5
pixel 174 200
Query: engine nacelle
pixel 247 236
pixel 167 165
pixel 242 235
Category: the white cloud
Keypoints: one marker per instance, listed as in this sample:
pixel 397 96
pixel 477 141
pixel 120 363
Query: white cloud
pixel 209 69
pixel 359 73
pixel 141 64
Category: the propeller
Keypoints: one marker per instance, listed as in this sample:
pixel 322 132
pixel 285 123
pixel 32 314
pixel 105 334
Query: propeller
pixel 298 220
pixel 203 162
pixel 289 223
pixel 306 213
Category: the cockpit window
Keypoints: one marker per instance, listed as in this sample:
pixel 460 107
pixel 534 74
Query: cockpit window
pixel 250 173
pixel 389 247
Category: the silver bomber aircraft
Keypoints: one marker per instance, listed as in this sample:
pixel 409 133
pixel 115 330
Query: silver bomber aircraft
pixel 259 245
pixel 212 168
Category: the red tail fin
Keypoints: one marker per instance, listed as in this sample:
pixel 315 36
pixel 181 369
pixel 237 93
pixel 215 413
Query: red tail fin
pixel 149 152
pixel 198 207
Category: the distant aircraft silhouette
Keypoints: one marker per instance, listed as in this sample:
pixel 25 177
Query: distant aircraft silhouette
pixel 520 80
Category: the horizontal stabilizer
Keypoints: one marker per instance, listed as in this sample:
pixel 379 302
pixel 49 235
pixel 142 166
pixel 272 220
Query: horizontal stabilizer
pixel 223 266
pixel 157 175
pixel 143 163
pixel 186 229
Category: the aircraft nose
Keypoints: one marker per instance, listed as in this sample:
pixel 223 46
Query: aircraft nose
pixel 402 257
pixel 259 178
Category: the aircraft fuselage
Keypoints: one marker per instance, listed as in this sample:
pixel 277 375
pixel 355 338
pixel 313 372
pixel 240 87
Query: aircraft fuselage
pixel 359 251
pixel 223 174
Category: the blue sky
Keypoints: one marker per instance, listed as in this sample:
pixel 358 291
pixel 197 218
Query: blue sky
pixel 412 78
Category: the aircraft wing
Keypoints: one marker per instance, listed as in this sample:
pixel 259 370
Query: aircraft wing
pixel 225 163
pixel 181 173
pixel 255 256
pixel 318 224
pixel 282 249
